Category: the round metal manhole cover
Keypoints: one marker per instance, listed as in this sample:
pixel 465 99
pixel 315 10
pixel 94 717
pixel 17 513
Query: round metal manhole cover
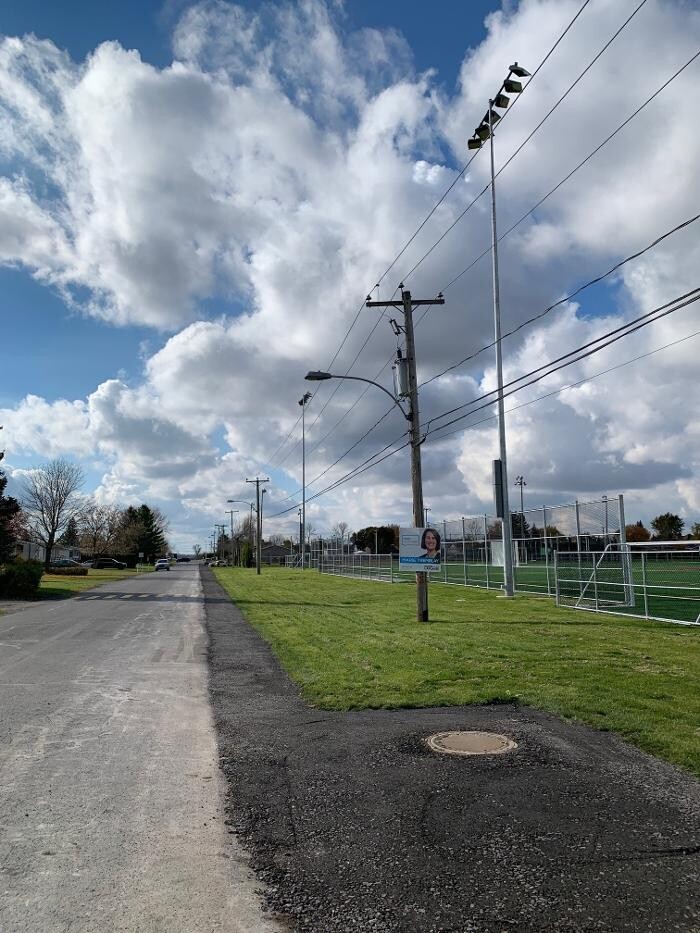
pixel 470 743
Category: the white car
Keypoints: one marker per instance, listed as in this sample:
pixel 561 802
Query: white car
pixel 163 564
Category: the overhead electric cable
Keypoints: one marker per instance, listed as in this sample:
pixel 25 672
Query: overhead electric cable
pixel 561 301
pixel 678 302
pixel 430 214
pixel 571 385
pixel 643 321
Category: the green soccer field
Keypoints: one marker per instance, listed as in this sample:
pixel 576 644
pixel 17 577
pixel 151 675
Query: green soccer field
pixel 662 589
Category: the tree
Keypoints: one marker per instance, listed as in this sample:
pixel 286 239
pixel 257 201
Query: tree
pixel 197 550
pixel 387 538
pixel 142 531
pixel 99 525
pixel 9 512
pixel 695 531
pixel 70 537
pixel 50 499
pixel 637 532
pixel 339 530
pixel 667 527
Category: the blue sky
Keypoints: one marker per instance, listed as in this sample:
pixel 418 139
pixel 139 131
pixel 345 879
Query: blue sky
pixel 235 209
pixel 45 333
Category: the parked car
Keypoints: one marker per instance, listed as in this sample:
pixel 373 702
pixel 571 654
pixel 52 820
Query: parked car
pixel 162 564
pixel 183 560
pixel 108 563
pixel 65 562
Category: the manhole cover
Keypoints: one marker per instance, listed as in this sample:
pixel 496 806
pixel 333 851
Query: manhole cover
pixel 470 743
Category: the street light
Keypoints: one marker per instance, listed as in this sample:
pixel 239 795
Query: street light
pixel 426 510
pixel 483 132
pixel 303 401
pixel 317 376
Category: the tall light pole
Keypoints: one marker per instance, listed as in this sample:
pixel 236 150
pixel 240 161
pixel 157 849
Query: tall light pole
pixel 426 509
pixel 303 401
pixel 483 132
pixel 258 556
pixel 301 538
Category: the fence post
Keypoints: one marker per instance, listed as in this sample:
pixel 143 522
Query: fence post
pixel 644 585
pixel 444 548
pixel 556 578
pixel 464 553
pixel 578 539
pixel 391 568
pixel 626 555
pixel 486 551
pixel 595 583
pixel 546 550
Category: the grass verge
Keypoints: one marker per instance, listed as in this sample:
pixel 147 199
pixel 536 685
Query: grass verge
pixel 54 586
pixel 351 644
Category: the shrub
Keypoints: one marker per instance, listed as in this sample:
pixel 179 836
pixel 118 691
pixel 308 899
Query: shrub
pixel 20 579
pixel 68 571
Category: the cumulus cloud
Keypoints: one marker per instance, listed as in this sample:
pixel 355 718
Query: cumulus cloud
pixel 243 199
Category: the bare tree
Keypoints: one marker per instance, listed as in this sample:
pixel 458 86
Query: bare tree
pixel 339 530
pixel 98 527
pixel 197 550
pixel 50 500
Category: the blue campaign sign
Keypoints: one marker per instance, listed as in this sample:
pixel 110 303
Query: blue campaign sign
pixel 419 549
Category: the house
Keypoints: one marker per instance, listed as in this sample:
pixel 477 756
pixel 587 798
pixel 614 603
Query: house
pixel 273 554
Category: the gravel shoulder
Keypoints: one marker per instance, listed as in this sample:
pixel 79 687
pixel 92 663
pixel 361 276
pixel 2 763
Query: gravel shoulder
pixel 352 824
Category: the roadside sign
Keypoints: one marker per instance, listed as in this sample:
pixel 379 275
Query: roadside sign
pixel 419 549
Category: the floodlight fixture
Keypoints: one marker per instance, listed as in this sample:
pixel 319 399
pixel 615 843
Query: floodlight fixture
pixel 512 87
pixel 307 396
pixel 317 376
pixel 483 132
pixel 491 117
pixel 474 143
pixel 519 71
pixel 501 101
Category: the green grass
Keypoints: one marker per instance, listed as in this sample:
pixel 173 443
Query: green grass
pixel 351 644
pixel 54 586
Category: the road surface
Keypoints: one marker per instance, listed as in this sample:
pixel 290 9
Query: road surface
pixel 111 799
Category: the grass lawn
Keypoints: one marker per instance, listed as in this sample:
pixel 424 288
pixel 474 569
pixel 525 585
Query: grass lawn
pixel 55 586
pixel 352 644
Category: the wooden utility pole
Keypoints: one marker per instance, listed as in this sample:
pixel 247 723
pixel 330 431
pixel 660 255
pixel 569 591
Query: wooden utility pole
pixel 258 548
pixel 407 304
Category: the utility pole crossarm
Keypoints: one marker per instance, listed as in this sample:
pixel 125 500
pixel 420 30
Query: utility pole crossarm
pixel 400 305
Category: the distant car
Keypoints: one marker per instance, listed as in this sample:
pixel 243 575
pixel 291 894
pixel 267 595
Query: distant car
pixel 183 560
pixel 108 563
pixel 65 562
pixel 163 564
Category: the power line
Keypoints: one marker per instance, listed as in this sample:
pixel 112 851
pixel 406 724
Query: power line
pixel 561 301
pixel 422 225
pixel 571 385
pixel 616 334
pixel 526 140
pixel 642 321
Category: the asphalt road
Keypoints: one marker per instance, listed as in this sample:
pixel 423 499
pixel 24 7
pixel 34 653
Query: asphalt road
pixel 111 813
pixel 354 825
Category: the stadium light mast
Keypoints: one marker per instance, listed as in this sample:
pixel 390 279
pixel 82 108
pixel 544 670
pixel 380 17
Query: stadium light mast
pixel 483 132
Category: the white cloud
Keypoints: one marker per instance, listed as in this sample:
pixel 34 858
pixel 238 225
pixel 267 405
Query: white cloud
pixel 271 172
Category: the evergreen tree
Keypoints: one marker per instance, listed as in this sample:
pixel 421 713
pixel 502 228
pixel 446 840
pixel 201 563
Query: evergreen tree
pixel 9 510
pixel 71 536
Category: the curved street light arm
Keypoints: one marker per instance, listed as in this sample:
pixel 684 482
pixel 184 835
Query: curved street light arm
pixel 406 414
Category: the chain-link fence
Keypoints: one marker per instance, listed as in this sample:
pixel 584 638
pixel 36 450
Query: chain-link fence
pixel 472 547
pixel 653 581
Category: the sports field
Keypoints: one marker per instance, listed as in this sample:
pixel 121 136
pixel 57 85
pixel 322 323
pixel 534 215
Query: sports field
pixel 354 644
pixel 662 589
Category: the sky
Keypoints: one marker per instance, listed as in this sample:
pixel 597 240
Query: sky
pixel 195 199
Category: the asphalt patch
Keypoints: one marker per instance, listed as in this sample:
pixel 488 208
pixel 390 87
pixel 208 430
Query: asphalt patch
pixel 354 824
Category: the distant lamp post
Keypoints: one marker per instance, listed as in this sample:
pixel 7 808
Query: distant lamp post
pixel 301 537
pixel 483 132
pixel 426 510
